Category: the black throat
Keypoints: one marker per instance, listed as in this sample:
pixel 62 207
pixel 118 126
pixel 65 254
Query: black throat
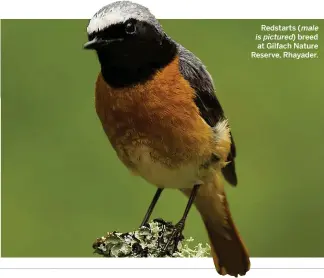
pixel 130 63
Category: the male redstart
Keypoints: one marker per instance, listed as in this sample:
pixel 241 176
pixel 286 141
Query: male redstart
pixel 157 105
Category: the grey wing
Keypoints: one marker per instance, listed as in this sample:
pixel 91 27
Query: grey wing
pixel 210 109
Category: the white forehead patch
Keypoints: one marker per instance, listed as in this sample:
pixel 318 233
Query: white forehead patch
pixel 99 23
pixel 119 12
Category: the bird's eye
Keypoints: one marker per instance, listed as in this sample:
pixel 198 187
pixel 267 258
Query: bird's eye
pixel 130 28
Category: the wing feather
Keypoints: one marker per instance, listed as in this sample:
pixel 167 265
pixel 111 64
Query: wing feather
pixel 210 109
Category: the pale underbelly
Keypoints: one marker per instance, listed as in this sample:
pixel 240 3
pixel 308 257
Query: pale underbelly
pixel 185 175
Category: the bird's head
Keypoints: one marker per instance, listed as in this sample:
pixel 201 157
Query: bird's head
pixel 125 34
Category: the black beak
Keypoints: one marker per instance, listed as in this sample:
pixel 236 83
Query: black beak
pixel 94 44
pixel 97 43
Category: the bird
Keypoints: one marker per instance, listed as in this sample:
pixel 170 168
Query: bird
pixel 157 105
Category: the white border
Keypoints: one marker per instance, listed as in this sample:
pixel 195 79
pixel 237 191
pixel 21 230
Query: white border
pixel 167 9
pixel 157 268
pixel 0 135
pixel 153 263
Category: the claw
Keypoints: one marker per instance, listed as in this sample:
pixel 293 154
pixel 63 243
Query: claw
pixel 175 236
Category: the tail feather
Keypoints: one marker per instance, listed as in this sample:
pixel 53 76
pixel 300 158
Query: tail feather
pixel 227 248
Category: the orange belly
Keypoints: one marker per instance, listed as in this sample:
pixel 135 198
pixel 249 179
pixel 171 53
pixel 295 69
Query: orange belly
pixel 160 114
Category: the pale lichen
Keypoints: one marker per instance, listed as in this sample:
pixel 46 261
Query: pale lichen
pixel 148 241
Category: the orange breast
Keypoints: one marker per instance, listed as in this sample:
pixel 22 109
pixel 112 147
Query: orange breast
pixel 160 114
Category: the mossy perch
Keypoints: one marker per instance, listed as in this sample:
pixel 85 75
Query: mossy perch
pixel 148 241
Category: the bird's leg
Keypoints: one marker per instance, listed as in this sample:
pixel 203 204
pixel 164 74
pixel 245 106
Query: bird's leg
pixel 178 228
pixel 151 207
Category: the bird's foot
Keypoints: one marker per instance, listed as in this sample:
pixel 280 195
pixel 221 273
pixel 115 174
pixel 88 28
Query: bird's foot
pixel 176 236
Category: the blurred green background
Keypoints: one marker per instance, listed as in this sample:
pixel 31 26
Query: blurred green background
pixel 63 186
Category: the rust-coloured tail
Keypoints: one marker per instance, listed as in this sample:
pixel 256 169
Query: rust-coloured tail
pixel 229 253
